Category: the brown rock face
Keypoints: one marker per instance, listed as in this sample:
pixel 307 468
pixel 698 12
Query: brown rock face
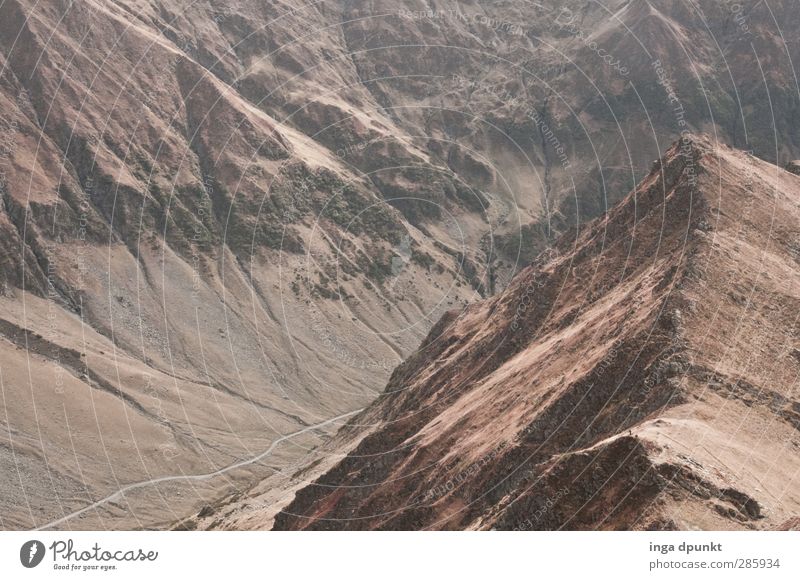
pixel 223 223
pixel 637 376
pixel 191 269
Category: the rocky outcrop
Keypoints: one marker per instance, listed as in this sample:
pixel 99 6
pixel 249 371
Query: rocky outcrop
pixel 637 376
pixel 244 215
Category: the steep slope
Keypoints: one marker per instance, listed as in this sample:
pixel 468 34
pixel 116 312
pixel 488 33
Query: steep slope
pixel 186 279
pixel 641 374
pixel 222 225
pixel 567 103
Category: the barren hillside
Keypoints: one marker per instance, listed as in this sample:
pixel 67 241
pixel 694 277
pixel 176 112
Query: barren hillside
pixel 224 224
pixel 641 375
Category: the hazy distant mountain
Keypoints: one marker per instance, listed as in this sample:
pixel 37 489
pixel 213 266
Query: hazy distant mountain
pixel 224 224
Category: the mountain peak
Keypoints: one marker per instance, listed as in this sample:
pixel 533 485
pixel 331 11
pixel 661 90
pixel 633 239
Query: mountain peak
pixel 591 393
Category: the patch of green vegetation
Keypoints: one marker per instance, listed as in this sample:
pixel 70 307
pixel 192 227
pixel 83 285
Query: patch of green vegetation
pixel 423 259
pixel 324 292
pixel 349 207
pixel 472 199
pixel 377 267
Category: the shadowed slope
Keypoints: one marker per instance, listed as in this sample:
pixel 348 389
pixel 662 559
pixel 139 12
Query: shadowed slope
pixel 641 374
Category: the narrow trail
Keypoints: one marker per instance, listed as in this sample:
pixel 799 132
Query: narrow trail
pixel 199 477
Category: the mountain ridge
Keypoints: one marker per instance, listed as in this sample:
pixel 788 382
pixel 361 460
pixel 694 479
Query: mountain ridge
pixel 223 223
pixel 598 444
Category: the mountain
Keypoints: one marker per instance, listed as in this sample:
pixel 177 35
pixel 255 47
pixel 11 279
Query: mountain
pixel 638 376
pixel 224 224
pixel 189 278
